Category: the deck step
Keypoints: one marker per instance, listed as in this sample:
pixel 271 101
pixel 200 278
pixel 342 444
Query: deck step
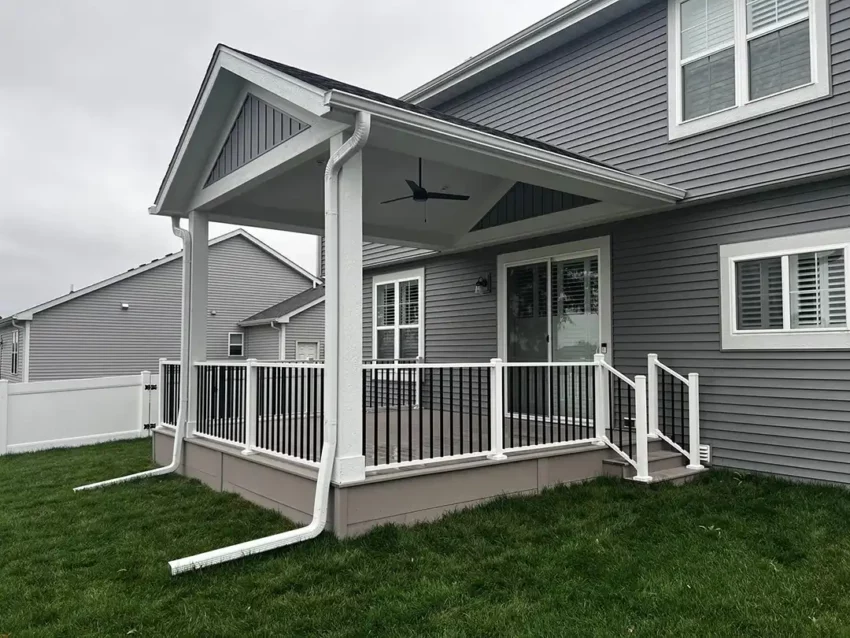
pixel 658 460
pixel 676 475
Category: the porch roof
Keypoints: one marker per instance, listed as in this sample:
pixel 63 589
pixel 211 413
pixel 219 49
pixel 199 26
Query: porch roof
pixel 281 187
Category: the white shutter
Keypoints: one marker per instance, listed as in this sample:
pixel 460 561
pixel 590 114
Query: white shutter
pixel 764 13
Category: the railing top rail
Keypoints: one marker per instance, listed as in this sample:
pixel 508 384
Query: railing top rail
pixel 610 368
pixel 243 363
pixel 170 363
pixel 423 366
pixel 673 372
pixel 549 364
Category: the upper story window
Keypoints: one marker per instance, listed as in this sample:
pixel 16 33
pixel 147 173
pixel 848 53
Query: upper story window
pixel 786 293
pixel 15 336
pixel 398 315
pixel 732 60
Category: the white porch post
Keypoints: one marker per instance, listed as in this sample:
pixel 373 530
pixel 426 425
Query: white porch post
pixel 199 227
pixel 652 394
pixel 350 463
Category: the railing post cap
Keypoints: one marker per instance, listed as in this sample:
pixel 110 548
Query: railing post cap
pixel 652 355
pixel 693 375
pixel 496 360
pixel 598 357
pixel 163 359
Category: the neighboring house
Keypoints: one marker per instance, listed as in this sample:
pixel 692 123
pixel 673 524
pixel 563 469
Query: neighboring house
pixel 291 329
pixel 124 324
pixel 623 178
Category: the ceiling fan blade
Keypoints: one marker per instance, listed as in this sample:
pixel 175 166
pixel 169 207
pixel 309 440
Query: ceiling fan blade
pixel 459 198
pixel 397 199
pixel 418 191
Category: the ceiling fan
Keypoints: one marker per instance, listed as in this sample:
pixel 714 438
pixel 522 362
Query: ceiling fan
pixel 422 195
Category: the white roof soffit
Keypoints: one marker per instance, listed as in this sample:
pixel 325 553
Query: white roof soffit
pixel 628 189
pixel 575 19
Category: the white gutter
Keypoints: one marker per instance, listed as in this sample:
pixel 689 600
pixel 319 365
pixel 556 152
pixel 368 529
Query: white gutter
pixel 323 481
pixel 183 413
pixel 513 151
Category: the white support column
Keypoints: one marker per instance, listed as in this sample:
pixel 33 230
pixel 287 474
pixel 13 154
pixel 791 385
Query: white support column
pixel 600 412
pixel 199 227
pixel 144 399
pixel 693 421
pixel 497 410
pixel 350 463
pixel 652 395
pixel 640 431
pixel 250 407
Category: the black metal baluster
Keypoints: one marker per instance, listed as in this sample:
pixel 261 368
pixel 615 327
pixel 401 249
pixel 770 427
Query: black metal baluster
pixel 363 408
pixel 442 416
pixel 582 408
pixel 410 372
pixel 630 393
pixel 321 410
pixel 451 411
pixel 558 400
pixel 289 443
pixel 480 413
pixel 306 409
pixel 682 414
pixel 375 414
pixel 512 385
pixel 386 399
pixel 431 413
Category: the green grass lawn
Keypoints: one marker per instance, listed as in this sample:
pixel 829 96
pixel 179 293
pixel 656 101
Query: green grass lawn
pixel 727 556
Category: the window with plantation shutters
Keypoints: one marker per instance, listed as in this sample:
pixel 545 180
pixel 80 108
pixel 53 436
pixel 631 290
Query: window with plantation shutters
pixel 787 292
pixel 397 316
pixel 759 290
pixel 736 59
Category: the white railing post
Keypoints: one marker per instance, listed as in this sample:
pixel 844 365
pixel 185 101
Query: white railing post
pixel 250 407
pixel 600 408
pixel 497 410
pixel 160 409
pixel 652 395
pixel 693 421
pixel 144 400
pixel 640 431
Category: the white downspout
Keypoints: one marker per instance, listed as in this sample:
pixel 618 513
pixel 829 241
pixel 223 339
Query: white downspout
pixel 185 365
pixel 323 482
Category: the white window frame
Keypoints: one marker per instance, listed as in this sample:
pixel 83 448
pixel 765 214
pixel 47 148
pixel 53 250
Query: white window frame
pixel 242 353
pixel 318 343
pixel 15 363
pixel 396 278
pixel 744 108
pixel 785 338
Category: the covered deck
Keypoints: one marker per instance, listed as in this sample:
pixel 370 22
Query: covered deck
pixel 272 146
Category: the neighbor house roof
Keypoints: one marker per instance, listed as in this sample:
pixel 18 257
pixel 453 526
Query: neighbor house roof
pixel 27 315
pixel 281 312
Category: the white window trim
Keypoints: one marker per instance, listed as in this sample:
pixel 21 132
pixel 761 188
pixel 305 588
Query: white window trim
pixel 596 246
pixel 235 356
pixel 396 278
pixel 780 338
pixel 318 343
pixel 745 108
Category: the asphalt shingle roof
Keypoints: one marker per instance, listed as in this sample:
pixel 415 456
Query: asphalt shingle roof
pixel 288 305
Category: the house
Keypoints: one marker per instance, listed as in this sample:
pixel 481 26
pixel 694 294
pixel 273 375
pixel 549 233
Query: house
pixel 126 323
pixel 618 239
pixel 293 329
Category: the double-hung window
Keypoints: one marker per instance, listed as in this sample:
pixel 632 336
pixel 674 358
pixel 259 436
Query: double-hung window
pixel 735 59
pixel 15 336
pixel 786 293
pixel 398 315
pixel 236 344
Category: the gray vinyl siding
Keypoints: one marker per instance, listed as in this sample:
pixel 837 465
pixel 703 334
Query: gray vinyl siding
pixel 377 254
pixel 92 336
pixel 6 353
pixel 306 326
pixel 605 96
pixel 258 128
pixel 783 412
pixel 263 343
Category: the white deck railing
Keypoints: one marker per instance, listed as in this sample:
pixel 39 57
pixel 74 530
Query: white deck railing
pixel 420 413
pixel 673 408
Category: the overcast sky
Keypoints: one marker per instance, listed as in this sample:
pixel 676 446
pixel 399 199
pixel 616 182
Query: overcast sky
pixel 94 94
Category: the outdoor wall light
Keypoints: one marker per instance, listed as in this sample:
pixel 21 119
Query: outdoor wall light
pixel 482 286
pixel 212 313
pixel 125 306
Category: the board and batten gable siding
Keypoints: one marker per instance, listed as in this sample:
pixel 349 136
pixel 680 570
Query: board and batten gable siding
pixel 306 326
pixel 605 96
pixel 782 412
pixel 263 343
pixel 92 336
pixel 6 353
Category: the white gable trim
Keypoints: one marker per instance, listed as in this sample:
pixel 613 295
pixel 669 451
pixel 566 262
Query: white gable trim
pixel 27 315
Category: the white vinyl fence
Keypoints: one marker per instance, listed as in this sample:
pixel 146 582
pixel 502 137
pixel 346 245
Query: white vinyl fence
pixel 68 413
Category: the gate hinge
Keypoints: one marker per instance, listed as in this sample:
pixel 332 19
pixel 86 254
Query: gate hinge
pixel 149 426
pixel 150 386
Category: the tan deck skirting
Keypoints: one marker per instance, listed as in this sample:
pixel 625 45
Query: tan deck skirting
pixel 401 496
